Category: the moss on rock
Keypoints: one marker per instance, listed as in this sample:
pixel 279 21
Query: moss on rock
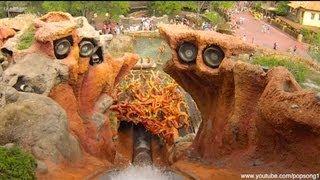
pixel 16 164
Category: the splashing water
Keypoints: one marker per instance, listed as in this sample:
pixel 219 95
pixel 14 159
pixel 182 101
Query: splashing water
pixel 142 173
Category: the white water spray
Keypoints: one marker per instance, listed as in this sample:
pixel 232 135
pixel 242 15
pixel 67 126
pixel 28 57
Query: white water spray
pixel 143 173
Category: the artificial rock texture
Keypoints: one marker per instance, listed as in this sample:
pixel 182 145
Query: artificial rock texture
pixel 6 33
pixel 252 119
pixel 39 124
pixel 76 96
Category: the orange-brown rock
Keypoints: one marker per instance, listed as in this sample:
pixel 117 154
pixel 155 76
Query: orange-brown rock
pixel 5 33
pixel 87 90
pixel 252 119
pixel 86 84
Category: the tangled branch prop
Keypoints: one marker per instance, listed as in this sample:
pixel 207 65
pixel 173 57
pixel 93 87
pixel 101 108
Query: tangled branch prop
pixel 153 100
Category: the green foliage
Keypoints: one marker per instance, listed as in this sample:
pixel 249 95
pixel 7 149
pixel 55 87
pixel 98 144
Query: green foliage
pixel 166 7
pixel 56 6
pixel 8 4
pixel 299 70
pixel 314 52
pixel 311 37
pixel 191 6
pixel 282 8
pixel 257 6
pixel 16 164
pixel 314 40
pixel 214 17
pixel 307 35
pixel 76 8
pixel 34 7
pixel 114 8
pixel 27 39
pixel 117 8
pixel 223 4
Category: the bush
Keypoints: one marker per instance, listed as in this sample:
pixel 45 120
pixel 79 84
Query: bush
pixel 16 164
pixel 27 39
pixel 314 52
pixel 299 70
pixel 282 8
pixel 257 6
pixel 213 17
pixel 307 35
pixel 166 7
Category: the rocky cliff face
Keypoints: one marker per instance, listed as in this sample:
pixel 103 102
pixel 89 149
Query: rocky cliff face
pixel 252 118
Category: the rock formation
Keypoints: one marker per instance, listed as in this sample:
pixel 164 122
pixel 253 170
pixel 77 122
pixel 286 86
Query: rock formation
pixel 252 118
pixel 55 98
pixel 55 95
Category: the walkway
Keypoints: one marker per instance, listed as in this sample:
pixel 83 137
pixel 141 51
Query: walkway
pixel 253 28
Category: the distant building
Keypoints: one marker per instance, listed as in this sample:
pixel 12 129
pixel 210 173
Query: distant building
pixel 305 12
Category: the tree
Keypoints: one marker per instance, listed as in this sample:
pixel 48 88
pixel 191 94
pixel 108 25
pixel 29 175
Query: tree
pixel 117 8
pixel 76 8
pixel 166 7
pixel 34 7
pixel 213 17
pixel 190 5
pixel 83 8
pixel 225 5
pixel 282 8
pixel 257 6
pixel 56 6
pixel 114 8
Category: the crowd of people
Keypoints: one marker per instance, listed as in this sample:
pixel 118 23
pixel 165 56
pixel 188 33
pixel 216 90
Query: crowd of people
pixel 148 24
pixel 112 28
pixel 266 28
pixel 182 21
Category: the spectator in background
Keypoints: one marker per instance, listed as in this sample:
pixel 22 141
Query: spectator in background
pixel 294 48
pixel 275 46
pixel 104 29
pixel 244 38
pixel 152 25
pixel 117 29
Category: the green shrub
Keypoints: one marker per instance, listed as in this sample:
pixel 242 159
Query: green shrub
pixel 282 8
pixel 299 70
pixel 307 35
pixel 27 39
pixel 166 7
pixel 314 52
pixel 16 164
pixel 257 6
pixel 213 17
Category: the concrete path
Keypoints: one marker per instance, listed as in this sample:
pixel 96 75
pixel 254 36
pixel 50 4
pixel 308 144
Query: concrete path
pixel 252 28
